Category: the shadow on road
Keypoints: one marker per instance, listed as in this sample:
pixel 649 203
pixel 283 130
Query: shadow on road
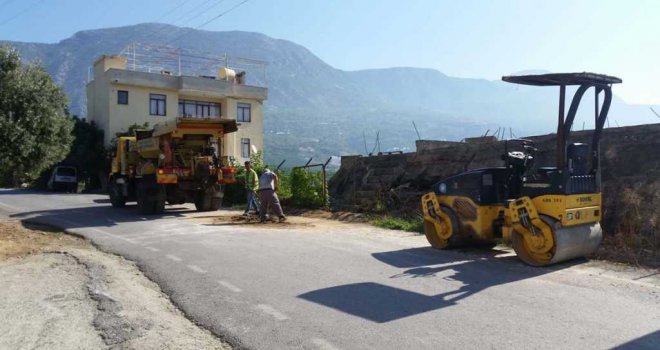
pixel 96 216
pixel 381 303
pixel 28 191
pixel 649 341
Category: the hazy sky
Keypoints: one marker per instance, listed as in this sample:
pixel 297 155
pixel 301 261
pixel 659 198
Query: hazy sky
pixel 476 39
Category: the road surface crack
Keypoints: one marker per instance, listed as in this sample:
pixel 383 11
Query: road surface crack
pixel 114 328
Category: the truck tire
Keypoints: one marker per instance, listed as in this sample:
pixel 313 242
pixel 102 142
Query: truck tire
pixel 147 205
pixel 216 203
pixel 207 202
pixel 159 206
pixel 203 202
pixel 117 198
pixel 144 205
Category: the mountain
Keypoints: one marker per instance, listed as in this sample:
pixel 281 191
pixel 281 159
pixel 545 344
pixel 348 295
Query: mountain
pixel 316 110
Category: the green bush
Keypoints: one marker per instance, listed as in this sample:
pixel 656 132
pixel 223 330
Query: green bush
pixel 307 189
pixel 88 154
pixel 284 190
pixel 396 223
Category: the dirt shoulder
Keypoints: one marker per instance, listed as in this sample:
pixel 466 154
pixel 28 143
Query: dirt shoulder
pixel 59 292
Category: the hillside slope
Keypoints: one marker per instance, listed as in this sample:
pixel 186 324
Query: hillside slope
pixel 317 110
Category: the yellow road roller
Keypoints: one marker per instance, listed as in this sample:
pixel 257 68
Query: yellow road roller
pixel 549 213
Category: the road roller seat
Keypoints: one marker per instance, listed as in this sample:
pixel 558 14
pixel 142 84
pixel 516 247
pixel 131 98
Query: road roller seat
pixel 580 177
pixel 544 172
pixel 577 155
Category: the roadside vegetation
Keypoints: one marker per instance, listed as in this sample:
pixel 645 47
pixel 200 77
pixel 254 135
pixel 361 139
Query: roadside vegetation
pixel 632 224
pixel 35 130
pixel 87 154
pixel 308 189
pixel 414 224
pixel 299 188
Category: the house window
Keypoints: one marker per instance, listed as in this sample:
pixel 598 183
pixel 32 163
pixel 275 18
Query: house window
pixel 245 148
pixel 243 112
pixel 122 97
pixel 157 104
pixel 199 109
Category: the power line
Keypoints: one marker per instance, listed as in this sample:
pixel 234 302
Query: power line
pixel 222 14
pixel 654 112
pixel 33 5
pixel 210 20
pixel 186 17
pixel 172 10
pixel 200 13
pixel 191 11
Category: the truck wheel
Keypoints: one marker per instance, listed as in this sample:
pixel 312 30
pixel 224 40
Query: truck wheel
pixel 203 202
pixel 216 203
pixel 149 202
pixel 207 202
pixel 116 196
pixel 145 206
pixel 159 207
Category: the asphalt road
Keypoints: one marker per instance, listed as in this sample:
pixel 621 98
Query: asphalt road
pixel 348 286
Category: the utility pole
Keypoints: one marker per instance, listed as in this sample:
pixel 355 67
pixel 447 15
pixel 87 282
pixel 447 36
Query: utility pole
pixel 417 131
pixel 179 55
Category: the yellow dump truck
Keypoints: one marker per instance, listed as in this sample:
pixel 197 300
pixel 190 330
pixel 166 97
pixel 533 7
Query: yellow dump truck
pixel 175 163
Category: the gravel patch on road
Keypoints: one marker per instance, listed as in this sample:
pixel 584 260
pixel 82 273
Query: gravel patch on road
pixel 59 292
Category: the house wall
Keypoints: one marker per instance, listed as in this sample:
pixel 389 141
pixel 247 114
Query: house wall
pixel 137 109
pixel 111 76
pixel 253 130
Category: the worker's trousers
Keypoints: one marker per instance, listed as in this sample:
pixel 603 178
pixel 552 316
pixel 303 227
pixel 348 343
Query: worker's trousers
pixel 269 198
pixel 252 202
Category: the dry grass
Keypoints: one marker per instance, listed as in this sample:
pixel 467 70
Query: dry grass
pixel 18 241
pixel 632 224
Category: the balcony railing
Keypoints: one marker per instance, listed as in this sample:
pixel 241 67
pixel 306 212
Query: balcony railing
pixel 182 115
pixel 185 62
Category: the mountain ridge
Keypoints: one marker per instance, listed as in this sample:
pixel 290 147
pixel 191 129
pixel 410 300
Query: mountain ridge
pixel 317 110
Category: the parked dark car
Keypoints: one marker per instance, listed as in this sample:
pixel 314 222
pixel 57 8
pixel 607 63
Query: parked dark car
pixel 63 178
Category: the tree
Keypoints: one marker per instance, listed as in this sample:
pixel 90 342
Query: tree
pixel 88 153
pixel 35 132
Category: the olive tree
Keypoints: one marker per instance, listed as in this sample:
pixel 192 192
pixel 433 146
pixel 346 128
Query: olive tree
pixel 35 131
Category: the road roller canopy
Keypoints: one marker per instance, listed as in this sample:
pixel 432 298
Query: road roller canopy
pixel 601 83
pixel 558 79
